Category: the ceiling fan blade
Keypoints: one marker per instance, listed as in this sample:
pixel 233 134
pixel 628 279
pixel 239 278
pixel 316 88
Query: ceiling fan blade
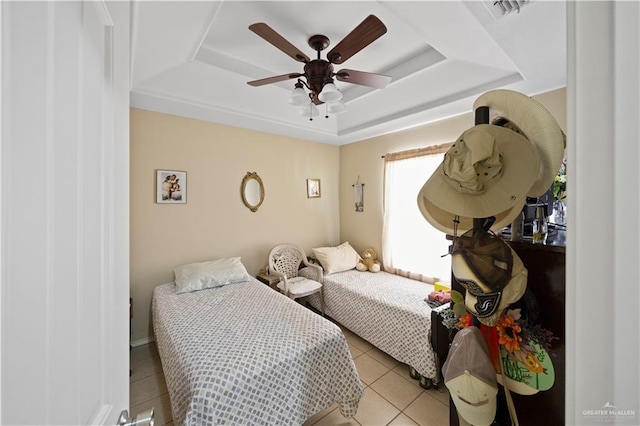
pixel 274 79
pixel 363 35
pixel 269 34
pixel 379 81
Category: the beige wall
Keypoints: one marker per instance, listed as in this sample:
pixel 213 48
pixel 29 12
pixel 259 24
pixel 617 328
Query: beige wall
pixel 363 159
pixel 214 222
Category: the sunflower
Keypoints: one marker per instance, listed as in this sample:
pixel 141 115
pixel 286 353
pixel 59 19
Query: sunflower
pixel 533 364
pixel 509 333
pixel 465 321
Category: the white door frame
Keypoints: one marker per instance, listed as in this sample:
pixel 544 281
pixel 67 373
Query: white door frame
pixel 64 212
pixel 603 246
pixel 601 354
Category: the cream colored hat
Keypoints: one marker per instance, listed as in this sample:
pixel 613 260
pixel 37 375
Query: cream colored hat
pixel 443 220
pixel 486 172
pixel 537 124
pixel 471 378
pixel 511 293
pixel 491 272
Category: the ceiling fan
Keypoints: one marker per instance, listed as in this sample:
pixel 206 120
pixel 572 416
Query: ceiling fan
pixel 318 72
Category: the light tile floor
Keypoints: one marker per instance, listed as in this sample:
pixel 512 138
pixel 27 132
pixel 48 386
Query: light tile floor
pixel 391 397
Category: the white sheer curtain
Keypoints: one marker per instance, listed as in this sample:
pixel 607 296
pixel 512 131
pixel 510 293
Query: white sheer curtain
pixel 410 245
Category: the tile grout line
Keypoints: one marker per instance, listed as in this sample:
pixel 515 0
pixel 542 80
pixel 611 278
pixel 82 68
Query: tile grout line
pixel 164 380
pixel 160 395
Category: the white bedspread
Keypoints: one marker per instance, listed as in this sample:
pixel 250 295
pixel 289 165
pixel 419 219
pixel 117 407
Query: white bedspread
pixel 244 354
pixel 387 310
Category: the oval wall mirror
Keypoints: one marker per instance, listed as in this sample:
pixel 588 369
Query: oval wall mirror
pixel 252 191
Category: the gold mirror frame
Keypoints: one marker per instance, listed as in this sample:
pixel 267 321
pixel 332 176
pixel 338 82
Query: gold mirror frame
pixel 243 190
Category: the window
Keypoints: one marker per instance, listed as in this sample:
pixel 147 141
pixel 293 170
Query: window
pixel 411 246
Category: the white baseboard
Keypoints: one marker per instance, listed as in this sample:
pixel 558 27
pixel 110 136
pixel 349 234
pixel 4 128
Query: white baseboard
pixel 141 342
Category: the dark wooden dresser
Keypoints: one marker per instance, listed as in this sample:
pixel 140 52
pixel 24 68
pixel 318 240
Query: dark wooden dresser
pixel 546 268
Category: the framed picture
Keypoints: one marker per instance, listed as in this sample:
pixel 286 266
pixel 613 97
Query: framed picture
pixel 313 188
pixel 358 190
pixel 171 187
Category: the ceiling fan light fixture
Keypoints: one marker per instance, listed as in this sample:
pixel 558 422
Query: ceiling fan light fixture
pixel 330 93
pixel 309 111
pixel 298 96
pixel 318 74
pixel 336 107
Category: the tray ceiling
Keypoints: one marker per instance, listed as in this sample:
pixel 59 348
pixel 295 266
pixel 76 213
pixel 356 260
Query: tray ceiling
pixel 194 59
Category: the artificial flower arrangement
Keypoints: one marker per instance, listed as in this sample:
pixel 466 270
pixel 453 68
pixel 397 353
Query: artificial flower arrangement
pixel 525 348
pixel 559 186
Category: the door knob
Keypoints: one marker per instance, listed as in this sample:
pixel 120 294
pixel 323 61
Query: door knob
pixel 143 419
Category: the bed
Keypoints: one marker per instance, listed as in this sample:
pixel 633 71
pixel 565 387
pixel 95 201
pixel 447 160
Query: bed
pixel 245 354
pixel 387 310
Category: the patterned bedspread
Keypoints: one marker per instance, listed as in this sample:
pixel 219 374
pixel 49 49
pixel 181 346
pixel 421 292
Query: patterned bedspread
pixel 244 354
pixel 385 309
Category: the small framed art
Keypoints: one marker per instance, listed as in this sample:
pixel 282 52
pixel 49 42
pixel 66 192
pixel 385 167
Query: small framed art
pixel 171 187
pixel 313 188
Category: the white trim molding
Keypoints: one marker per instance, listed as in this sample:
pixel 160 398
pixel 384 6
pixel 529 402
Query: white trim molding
pixel 603 249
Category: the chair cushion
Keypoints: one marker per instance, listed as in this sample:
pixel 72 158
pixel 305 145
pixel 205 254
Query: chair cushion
pixel 300 286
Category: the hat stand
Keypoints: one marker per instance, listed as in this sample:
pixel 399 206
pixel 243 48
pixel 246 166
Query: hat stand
pixel 482 117
pixel 479 225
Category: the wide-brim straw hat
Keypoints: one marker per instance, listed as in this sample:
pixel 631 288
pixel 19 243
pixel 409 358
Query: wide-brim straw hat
pixel 443 220
pixel 537 124
pixel 458 189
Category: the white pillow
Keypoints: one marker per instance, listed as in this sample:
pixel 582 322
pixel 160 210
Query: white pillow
pixel 214 273
pixel 337 259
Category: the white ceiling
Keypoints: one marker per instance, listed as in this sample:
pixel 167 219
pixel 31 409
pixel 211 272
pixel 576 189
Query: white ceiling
pixel 194 59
